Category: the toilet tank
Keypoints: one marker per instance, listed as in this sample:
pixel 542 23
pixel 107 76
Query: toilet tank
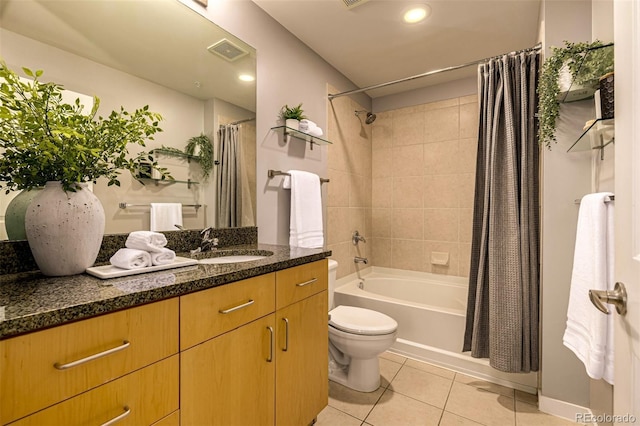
pixel 333 272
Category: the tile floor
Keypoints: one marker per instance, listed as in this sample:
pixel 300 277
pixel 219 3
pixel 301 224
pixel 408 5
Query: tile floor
pixel 415 393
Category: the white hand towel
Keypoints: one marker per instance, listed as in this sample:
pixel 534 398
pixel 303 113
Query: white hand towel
pixel 589 332
pixel 146 240
pixel 316 131
pixel 305 229
pixel 306 125
pixel 165 216
pixel 163 257
pixel 128 258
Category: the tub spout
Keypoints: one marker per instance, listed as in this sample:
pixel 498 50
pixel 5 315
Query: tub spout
pixel 358 259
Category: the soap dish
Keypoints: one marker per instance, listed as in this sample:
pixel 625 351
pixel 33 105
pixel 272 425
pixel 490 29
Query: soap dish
pixel 109 271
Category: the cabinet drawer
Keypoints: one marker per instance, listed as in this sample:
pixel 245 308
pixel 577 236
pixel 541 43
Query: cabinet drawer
pixel 300 282
pixel 209 313
pixel 40 369
pixel 172 419
pixel 139 398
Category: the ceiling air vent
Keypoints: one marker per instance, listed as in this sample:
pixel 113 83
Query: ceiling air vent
pixel 353 3
pixel 227 50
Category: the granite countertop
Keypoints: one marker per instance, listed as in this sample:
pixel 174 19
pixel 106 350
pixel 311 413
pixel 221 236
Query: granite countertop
pixel 31 301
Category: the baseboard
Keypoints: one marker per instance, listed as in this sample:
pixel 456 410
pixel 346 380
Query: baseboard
pixel 563 409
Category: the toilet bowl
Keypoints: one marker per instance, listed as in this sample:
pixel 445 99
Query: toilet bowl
pixel 356 337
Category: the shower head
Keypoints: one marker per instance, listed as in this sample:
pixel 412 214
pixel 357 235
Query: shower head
pixel 371 117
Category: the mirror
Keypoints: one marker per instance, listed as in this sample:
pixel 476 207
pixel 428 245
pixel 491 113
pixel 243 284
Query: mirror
pixel 133 53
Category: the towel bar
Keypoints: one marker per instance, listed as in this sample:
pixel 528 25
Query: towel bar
pixel 611 198
pixel 125 205
pixel 272 173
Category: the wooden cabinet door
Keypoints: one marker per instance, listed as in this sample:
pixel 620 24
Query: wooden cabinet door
pixel 302 382
pixel 229 380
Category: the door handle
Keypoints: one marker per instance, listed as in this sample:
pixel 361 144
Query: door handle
pixel 616 297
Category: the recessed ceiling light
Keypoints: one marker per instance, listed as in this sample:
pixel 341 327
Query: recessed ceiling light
pixel 246 77
pixel 417 14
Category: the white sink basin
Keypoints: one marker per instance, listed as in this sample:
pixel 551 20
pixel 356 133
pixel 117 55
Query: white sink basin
pixel 231 259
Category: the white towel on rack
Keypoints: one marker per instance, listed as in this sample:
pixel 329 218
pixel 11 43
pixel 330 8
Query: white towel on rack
pixel 589 332
pixel 165 216
pixel 128 258
pixel 305 229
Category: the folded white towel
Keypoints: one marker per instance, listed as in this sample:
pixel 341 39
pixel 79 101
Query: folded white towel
pixel 165 216
pixel 316 131
pixel 305 229
pixel 146 240
pixel 128 258
pixel 589 332
pixel 306 125
pixel 163 257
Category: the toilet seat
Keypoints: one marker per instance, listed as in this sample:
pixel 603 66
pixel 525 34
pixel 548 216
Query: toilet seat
pixel 362 321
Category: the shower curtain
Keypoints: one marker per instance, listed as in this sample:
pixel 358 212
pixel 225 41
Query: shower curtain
pixel 502 308
pixel 229 183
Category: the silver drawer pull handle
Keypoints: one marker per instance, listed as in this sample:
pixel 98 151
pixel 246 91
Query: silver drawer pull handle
pixel 286 334
pixel 115 420
pixel 311 281
pixel 125 344
pixel 270 359
pixel 235 308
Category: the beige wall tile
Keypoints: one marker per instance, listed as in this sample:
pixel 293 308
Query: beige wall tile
pixel 466 189
pixel 408 224
pixel 465 259
pixel 382 192
pixel 381 252
pixel 441 158
pixel 441 224
pixel 442 124
pixel 441 191
pixel 336 155
pixel 469 120
pixel 407 192
pixel 408 128
pixel 341 253
pixel 382 165
pixel 337 225
pixel 408 254
pixel 338 189
pixel 467 155
pixel 382 132
pixel 407 161
pixel 469 99
pixel 465 225
pixel 441 247
pixel 442 104
pixel 381 223
pixel 358 191
pixel 408 110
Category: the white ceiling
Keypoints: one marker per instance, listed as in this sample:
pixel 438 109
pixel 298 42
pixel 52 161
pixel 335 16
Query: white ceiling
pixel 371 44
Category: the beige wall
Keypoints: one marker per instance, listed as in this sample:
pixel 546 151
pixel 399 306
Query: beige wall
pixel 423 170
pixel 348 196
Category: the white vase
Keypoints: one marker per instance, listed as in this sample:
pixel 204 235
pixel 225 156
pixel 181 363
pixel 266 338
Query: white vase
pixel 14 215
pixel 292 123
pixel 64 229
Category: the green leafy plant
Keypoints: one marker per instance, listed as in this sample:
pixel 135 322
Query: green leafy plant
pixel 292 113
pixel 44 139
pixel 586 63
pixel 203 142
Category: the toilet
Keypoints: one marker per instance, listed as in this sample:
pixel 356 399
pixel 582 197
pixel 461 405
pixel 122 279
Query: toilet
pixel 356 337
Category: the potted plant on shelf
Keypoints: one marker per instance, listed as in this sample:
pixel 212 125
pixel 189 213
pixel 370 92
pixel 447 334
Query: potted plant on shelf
pixel 292 116
pixel 49 144
pixel 585 64
pixel 202 147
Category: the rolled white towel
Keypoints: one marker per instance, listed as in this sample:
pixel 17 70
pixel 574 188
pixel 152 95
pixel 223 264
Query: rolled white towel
pixel 128 258
pixel 146 240
pixel 163 257
pixel 316 131
pixel 306 125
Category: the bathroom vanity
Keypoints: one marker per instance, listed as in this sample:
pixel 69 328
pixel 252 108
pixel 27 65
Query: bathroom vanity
pixel 242 343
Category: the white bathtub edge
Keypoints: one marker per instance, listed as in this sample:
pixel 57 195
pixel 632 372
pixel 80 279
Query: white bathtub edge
pixel 563 409
pixel 464 364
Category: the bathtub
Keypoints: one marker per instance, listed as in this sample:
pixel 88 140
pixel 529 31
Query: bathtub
pixel 430 311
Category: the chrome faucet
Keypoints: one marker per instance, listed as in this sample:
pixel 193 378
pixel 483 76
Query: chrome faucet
pixel 207 243
pixel 359 259
pixel 356 237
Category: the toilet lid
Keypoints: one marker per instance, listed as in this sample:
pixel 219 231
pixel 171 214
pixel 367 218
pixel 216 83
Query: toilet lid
pixel 361 321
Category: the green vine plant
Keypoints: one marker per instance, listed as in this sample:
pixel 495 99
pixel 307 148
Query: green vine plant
pixel 586 63
pixel 203 142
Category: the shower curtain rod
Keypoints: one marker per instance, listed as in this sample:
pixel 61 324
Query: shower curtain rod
pixel 240 121
pixel 428 73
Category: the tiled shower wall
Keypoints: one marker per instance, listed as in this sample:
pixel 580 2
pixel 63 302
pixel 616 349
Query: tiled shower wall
pixel 406 182
pixel 349 192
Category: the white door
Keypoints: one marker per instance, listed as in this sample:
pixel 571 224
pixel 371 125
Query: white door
pixel 626 391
